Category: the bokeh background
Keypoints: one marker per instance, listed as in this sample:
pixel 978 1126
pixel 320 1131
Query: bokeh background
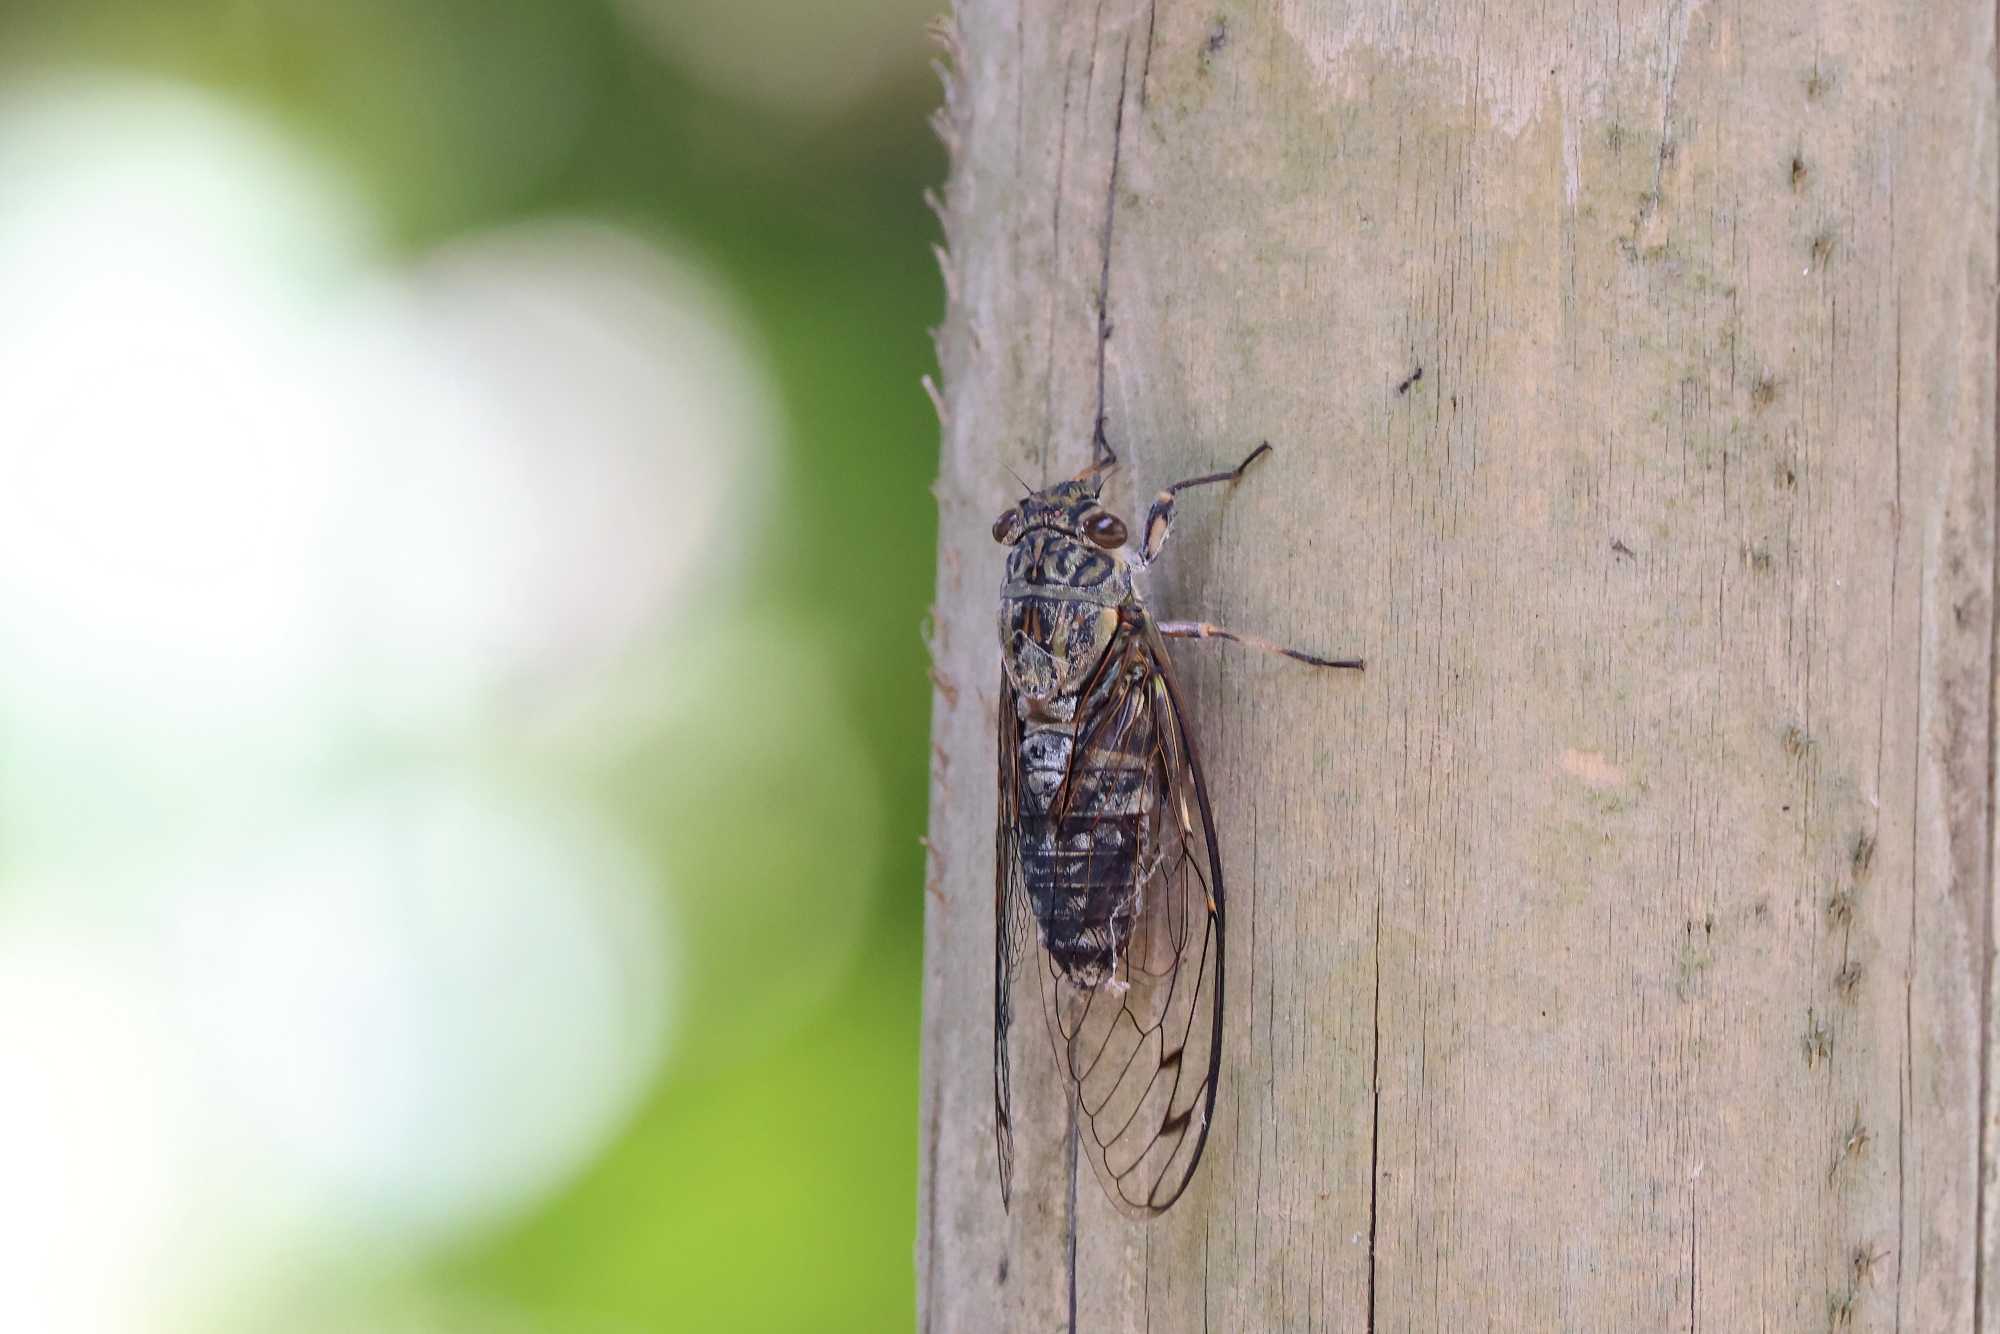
pixel 464 536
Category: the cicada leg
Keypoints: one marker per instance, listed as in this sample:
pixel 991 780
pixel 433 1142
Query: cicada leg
pixel 1203 630
pixel 1160 518
pixel 1102 457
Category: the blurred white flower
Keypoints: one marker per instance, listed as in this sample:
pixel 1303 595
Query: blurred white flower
pixel 291 537
pixel 554 434
pixel 423 1008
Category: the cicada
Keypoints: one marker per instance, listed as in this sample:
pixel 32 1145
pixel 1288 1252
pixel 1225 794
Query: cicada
pixel 1107 861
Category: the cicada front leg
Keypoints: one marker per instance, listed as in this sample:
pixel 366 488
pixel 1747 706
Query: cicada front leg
pixel 1160 518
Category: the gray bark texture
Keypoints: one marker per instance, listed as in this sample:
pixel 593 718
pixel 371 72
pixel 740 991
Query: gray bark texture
pixel 1615 954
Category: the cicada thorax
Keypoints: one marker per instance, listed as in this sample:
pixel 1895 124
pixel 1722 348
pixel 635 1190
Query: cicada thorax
pixel 1059 611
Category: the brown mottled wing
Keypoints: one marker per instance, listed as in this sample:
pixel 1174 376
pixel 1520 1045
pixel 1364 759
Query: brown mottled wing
pixel 1013 929
pixel 1143 1052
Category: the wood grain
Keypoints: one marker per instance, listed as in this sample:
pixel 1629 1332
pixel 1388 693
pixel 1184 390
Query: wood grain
pixel 1616 954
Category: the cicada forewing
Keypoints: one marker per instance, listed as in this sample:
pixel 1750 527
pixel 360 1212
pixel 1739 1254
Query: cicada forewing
pixel 1141 1047
pixel 1013 929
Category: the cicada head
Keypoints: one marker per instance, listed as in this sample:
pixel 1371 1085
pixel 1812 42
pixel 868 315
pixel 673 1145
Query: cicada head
pixel 1068 508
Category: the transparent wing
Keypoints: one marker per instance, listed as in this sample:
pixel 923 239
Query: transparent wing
pixel 1143 1050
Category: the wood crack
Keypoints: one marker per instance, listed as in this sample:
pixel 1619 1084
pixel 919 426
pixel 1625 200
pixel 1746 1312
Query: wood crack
pixel 1694 1255
pixel 1204 1276
pixel 1375 1118
pixel 1110 217
pixel 1895 574
pixel 1055 248
pixel 1981 1242
pixel 1909 1074
pixel 1146 64
pixel 1146 1290
pixel 1069 1237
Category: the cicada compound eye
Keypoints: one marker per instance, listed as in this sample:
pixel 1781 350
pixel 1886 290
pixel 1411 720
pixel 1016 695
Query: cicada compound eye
pixel 1007 528
pixel 1106 529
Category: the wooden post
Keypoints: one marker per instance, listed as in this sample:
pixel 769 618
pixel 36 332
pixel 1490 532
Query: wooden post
pixel 1616 954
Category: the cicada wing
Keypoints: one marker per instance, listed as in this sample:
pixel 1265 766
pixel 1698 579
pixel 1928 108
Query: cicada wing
pixel 1013 929
pixel 1143 1048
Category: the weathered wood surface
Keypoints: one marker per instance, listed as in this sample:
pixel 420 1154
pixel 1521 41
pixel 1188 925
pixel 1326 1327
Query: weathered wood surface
pixel 1615 954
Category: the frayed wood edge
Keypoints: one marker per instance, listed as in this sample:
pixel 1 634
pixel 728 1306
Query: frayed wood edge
pixel 949 123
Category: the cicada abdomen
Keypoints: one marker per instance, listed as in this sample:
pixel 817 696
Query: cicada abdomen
pixel 1082 828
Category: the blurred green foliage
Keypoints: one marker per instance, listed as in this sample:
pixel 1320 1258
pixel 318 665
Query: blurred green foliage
pixel 762 1187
